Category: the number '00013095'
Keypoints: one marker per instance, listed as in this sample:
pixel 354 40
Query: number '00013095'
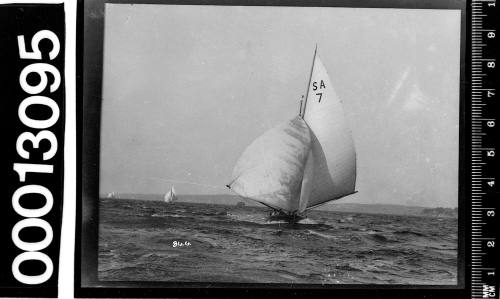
pixel 32 217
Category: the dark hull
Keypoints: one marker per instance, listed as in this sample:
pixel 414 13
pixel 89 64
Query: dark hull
pixel 280 216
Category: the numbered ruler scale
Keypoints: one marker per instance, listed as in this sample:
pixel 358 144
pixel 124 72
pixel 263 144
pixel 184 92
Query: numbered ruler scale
pixel 484 163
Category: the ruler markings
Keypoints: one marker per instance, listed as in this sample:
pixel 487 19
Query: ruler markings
pixel 481 35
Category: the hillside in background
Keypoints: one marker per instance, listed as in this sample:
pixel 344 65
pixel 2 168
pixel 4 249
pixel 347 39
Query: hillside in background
pixel 225 199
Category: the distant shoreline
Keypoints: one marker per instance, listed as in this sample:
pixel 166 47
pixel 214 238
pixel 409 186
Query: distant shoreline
pixel 233 200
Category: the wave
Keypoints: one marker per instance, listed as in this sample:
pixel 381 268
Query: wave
pixel 409 232
pixel 250 218
pixel 322 235
pixel 375 249
pixel 307 221
pixel 169 215
pixel 347 267
pixel 264 220
pixel 378 237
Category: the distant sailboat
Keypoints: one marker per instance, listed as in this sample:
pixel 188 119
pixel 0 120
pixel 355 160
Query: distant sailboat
pixel 111 195
pixel 170 196
pixel 305 162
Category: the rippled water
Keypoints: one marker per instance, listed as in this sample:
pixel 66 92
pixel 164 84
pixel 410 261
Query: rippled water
pixel 237 244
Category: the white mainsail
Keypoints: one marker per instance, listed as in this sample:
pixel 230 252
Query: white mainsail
pixel 305 162
pixel 170 196
pixel 271 169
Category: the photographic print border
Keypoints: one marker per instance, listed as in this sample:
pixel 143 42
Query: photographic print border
pixel 90 34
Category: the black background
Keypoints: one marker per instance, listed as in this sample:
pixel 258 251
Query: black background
pixel 27 20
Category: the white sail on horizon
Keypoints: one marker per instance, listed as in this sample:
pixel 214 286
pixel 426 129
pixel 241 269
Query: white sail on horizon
pixel 305 162
pixel 170 196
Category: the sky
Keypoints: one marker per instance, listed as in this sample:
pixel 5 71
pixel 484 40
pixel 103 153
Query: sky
pixel 187 88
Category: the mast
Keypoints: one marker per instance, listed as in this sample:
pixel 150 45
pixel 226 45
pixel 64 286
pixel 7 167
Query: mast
pixel 301 102
pixel 309 84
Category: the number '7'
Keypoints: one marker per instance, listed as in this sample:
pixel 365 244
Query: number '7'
pixel 319 94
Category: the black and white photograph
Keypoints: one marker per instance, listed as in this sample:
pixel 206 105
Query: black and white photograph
pixel 292 145
pixel 249 149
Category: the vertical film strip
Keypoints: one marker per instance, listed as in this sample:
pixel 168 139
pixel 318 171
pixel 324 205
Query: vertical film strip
pixel 484 160
pixel 32 54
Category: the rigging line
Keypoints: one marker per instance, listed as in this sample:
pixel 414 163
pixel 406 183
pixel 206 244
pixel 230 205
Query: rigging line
pixel 184 182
